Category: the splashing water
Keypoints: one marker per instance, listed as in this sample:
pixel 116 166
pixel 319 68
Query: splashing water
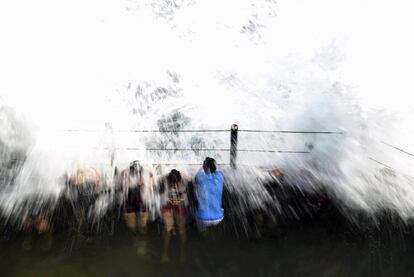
pixel 206 65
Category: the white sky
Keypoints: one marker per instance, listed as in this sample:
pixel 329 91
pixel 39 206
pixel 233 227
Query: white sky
pixel 58 57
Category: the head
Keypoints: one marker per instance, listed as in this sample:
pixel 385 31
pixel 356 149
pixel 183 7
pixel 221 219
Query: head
pixel 82 177
pixel 135 169
pixel 277 172
pixel 174 177
pixel 209 165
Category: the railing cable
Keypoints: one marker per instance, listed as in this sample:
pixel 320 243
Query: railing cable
pixel 399 149
pixel 213 131
pixel 214 150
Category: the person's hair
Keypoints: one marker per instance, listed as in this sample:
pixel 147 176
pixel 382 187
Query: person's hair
pixel 174 177
pixel 135 168
pixel 210 164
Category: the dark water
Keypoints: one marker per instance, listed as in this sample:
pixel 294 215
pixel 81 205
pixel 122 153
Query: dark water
pixel 309 251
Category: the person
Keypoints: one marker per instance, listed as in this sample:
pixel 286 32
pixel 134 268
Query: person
pixel 135 211
pixel 209 191
pixel 81 190
pixel 37 215
pixel 174 203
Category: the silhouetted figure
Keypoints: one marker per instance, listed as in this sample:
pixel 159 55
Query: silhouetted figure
pixel 135 210
pixel 209 190
pixel 174 203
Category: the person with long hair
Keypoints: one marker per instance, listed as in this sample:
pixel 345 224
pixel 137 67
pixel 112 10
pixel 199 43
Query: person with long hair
pixel 135 209
pixel 174 202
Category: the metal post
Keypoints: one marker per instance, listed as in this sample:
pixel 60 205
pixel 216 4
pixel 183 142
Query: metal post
pixel 110 134
pixel 233 145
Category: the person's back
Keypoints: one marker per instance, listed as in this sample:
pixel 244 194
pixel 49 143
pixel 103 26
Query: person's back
pixel 209 190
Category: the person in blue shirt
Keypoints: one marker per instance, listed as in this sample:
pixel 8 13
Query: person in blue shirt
pixel 209 190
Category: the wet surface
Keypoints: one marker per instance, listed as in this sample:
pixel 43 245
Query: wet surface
pixel 310 251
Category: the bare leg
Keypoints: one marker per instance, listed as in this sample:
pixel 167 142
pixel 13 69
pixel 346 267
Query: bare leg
pixel 27 224
pixel 44 228
pixel 131 221
pixel 168 219
pixel 42 225
pixel 142 222
pixel 182 220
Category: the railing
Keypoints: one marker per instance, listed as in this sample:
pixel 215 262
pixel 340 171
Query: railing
pixel 399 149
pixel 234 130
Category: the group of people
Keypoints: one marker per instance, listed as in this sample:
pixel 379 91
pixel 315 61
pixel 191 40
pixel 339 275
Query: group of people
pixel 172 189
pixel 137 195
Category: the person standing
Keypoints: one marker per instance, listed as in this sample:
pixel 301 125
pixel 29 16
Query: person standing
pixel 209 191
pixel 135 213
pixel 174 204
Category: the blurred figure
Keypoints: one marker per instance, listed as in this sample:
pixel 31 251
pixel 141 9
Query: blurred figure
pixel 37 216
pixel 209 191
pixel 135 210
pixel 37 219
pixel 82 189
pixel 174 203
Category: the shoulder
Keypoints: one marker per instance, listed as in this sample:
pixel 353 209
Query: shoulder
pixel 183 185
pixel 200 174
pixel 124 173
pixel 219 174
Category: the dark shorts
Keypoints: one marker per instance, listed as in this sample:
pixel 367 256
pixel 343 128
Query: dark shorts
pixel 133 203
pixel 175 209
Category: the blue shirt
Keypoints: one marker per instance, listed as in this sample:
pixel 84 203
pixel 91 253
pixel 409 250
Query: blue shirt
pixel 209 188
